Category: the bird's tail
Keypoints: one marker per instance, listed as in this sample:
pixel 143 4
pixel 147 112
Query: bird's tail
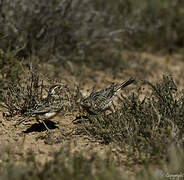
pixel 124 84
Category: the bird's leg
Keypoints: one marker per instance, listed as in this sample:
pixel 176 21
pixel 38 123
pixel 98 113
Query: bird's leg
pixel 37 119
pixel 46 126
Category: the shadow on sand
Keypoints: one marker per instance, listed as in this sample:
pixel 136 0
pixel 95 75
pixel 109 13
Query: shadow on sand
pixel 39 127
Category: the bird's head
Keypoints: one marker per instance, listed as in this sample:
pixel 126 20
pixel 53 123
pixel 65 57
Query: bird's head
pixel 85 102
pixel 55 91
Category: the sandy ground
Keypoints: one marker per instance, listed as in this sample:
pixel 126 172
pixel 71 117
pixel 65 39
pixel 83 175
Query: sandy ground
pixel 33 138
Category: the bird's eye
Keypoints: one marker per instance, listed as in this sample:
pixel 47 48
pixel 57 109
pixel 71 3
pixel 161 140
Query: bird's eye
pixel 55 90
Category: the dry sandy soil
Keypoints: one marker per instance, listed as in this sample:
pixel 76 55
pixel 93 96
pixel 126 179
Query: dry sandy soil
pixel 33 138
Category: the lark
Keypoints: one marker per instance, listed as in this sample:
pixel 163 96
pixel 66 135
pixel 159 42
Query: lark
pixel 49 107
pixel 100 101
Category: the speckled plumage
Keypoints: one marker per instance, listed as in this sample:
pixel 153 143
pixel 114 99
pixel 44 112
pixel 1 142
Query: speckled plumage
pixel 49 107
pixel 101 100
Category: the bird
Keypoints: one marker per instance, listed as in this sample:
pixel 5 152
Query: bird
pixel 50 106
pixel 101 100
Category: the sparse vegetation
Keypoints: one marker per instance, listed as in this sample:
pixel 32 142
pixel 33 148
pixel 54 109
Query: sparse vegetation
pixel 73 30
pixel 63 166
pixel 85 44
pixel 148 126
pixel 21 96
pixel 10 69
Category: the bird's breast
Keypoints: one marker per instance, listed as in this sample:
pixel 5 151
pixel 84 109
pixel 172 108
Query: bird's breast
pixel 49 115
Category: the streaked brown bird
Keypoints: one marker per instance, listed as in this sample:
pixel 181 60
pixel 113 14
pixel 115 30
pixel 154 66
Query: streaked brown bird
pixel 101 100
pixel 49 107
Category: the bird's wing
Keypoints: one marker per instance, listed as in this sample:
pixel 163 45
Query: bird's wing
pixel 104 93
pixel 108 92
pixel 40 109
pixel 103 97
